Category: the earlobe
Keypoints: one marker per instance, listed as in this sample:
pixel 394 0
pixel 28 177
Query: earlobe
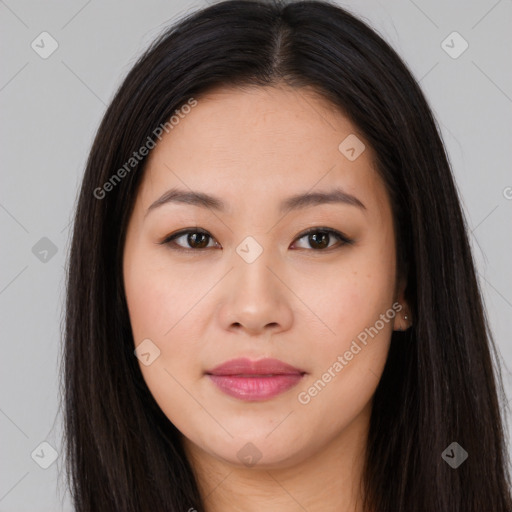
pixel 402 320
pixel 407 321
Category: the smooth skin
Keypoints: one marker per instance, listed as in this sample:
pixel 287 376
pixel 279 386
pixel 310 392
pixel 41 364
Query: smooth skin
pixel 299 301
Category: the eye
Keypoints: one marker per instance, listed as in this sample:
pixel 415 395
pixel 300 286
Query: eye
pixel 320 238
pixel 195 238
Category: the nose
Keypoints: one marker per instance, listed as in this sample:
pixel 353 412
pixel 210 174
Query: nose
pixel 256 298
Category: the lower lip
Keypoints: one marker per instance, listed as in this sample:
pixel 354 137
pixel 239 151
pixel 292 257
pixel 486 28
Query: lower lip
pixel 255 388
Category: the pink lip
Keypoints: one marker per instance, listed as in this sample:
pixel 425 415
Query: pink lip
pixel 255 380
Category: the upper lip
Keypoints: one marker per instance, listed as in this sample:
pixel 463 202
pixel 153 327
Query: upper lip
pixel 245 366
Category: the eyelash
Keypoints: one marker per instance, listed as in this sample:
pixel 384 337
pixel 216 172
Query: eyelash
pixel 169 240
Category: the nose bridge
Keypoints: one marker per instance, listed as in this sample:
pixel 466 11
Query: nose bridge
pixel 252 262
pixel 256 297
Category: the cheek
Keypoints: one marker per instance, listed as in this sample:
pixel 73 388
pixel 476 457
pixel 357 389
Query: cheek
pixel 157 296
pixel 164 305
pixel 358 309
pixel 352 295
pixel 158 312
pixel 148 302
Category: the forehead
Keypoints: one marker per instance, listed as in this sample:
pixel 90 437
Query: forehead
pixel 256 141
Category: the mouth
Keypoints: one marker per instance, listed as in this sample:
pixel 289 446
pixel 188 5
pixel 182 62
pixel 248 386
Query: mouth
pixel 255 380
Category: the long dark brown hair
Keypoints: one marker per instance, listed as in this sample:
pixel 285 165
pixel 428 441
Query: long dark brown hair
pixel 441 383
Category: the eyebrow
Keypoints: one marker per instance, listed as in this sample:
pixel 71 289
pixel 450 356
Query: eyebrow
pixel 295 202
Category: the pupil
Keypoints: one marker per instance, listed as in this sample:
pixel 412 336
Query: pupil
pixel 324 242
pixel 192 240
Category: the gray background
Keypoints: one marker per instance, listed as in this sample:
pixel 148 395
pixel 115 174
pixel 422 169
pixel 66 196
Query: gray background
pixel 51 108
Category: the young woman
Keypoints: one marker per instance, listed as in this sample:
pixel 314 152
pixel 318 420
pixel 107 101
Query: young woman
pixel 272 303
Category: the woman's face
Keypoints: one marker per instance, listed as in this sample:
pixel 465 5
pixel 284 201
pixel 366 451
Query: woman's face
pixel 248 283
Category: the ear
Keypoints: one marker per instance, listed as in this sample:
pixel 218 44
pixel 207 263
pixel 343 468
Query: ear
pixel 402 320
